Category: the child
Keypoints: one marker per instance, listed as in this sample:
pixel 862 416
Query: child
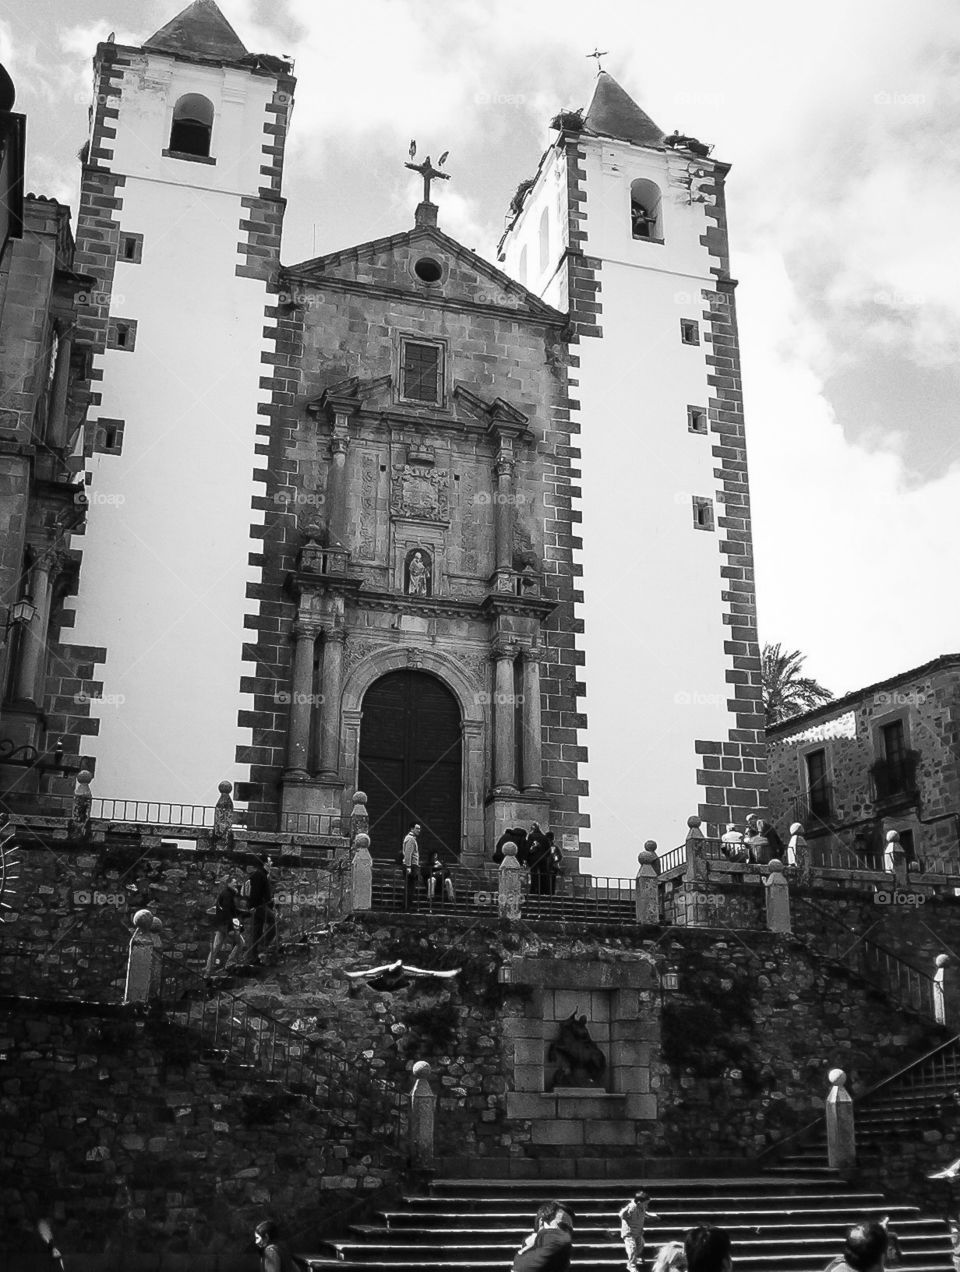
pixel 632 1218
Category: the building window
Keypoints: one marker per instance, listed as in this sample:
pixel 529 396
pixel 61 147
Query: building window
pixel 818 790
pixel 645 211
pixel 192 127
pixel 895 771
pixel 421 371
pixel 702 513
pixel 544 239
pixel 131 248
pixel 122 334
pixel 696 419
pixel 689 331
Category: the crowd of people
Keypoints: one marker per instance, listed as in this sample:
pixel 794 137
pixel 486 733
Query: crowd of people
pixel 758 842
pixel 536 852
pixel 244 920
pixel 869 1246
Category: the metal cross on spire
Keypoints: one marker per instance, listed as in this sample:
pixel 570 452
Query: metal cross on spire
pixel 598 55
pixel 427 170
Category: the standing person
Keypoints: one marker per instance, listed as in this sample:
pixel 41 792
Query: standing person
pixel 258 897
pixel 775 845
pixel 411 864
pixel 554 865
pixel 538 853
pixel 519 837
pixel 707 1249
pixel 548 1247
pixel 275 1255
pixel 438 879
pixel 632 1218
pixel 732 843
pixel 864 1250
pixel 226 927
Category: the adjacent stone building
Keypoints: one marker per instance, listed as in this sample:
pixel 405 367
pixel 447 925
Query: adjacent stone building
pixel 44 688
pixel 886 757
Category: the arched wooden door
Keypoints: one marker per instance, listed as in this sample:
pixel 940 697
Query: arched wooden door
pixel 410 763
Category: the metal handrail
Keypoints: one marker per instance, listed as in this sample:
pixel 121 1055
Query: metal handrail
pixel 29 967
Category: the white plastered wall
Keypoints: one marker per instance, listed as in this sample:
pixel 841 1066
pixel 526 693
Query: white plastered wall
pixel 165 554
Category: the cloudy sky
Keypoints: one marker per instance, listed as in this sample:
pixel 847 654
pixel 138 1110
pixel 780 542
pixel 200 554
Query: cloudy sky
pixel 841 121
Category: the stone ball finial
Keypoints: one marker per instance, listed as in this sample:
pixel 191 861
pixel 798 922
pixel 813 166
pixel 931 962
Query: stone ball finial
pixel 893 836
pixel 694 823
pixel 509 849
pixel 421 1069
pixel 143 919
pixel 225 788
pixel 775 865
pixel 647 855
pixel 837 1078
pixel 359 797
pixel 650 845
pixel 84 777
pixel 942 960
pixel 362 841
pixel 796 828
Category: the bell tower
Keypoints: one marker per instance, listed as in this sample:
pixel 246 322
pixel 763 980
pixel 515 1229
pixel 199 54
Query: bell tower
pixel 180 221
pixel 625 228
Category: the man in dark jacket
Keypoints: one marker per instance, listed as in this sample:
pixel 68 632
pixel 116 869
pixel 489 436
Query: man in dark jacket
pixel 259 894
pixel 226 927
pixel 548 1248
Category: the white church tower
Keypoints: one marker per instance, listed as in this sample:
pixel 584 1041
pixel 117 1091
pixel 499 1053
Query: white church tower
pixel 180 220
pixel 626 229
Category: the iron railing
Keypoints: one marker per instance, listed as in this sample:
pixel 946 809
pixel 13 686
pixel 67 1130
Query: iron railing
pixel 675 859
pixel 912 988
pixel 316 824
pixel 833 855
pixel 937 1068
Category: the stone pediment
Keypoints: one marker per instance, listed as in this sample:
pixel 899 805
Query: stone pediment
pixel 467 406
pixel 388 266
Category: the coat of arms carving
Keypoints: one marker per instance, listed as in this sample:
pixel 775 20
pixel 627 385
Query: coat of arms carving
pixel 419 493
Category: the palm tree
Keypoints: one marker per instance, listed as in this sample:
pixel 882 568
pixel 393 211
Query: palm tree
pixel 785 691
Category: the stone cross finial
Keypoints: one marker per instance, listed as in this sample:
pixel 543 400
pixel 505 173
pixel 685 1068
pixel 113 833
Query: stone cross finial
pixel 841 1140
pixel 429 173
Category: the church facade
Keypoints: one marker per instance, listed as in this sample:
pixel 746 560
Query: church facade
pixel 332 540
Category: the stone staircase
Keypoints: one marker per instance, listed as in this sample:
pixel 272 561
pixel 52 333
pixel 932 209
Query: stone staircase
pixel 778 1223
pixel 475 894
pixel 904 1108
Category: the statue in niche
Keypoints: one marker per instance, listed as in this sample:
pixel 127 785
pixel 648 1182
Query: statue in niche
pixel 417 580
pixel 579 1061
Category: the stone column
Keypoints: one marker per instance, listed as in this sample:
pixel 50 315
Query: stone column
pixel 361 875
pixel 56 418
pixel 141 975
pixel 777 898
pixel 505 740
pixel 532 731
pixel 648 884
pixel 841 1140
pixel 504 509
pixel 333 642
pixel 301 696
pixel 337 486
pixel 510 875
pixel 33 636
pixel 696 862
pixel 422 1117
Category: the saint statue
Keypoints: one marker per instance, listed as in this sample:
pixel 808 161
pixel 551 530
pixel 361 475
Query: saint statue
pixel 418 576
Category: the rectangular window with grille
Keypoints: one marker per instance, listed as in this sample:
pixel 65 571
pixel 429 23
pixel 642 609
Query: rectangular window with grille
pixel 421 369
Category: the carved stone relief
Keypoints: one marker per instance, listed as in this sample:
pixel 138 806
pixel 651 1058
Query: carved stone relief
pixel 419 493
pixel 369 474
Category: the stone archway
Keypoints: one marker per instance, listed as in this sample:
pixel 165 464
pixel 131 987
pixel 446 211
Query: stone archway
pixel 410 762
pixel 474 760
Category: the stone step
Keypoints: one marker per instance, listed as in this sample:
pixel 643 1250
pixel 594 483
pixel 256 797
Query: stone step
pixel 797 1261
pixel 682 1213
pixel 597 1227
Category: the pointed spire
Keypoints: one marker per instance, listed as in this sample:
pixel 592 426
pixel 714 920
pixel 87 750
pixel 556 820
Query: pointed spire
pixel 613 113
pixel 201 29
